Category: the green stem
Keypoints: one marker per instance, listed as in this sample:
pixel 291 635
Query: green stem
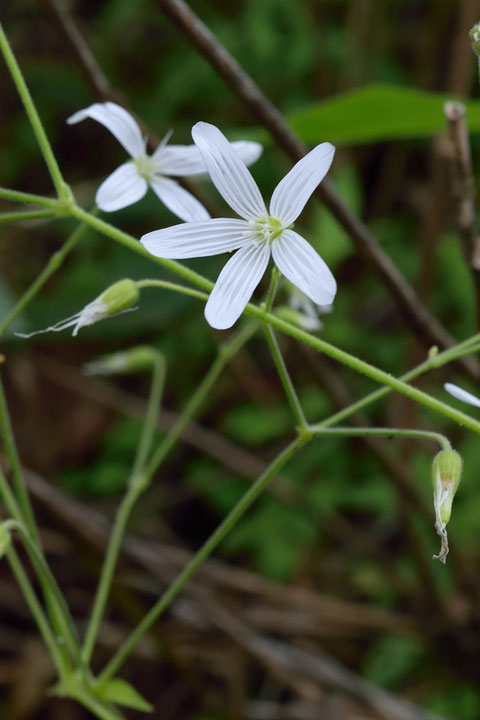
pixel 53 596
pixel 165 285
pixel 26 215
pixel 22 197
pixel 319 429
pixel 38 614
pixel 18 484
pixel 251 310
pixel 225 353
pixel 50 268
pixel 33 116
pixel 131 243
pixel 207 548
pixel 287 383
pixel 135 488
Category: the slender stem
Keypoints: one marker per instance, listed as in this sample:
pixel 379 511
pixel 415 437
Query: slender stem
pixel 251 310
pixel 123 514
pixel 26 215
pixel 272 288
pixel 149 425
pixel 164 284
pixel 287 383
pixel 33 115
pixel 319 429
pixel 37 612
pixel 131 243
pixel 12 454
pixel 207 548
pixel 53 595
pixel 225 353
pixel 50 268
pixel 22 197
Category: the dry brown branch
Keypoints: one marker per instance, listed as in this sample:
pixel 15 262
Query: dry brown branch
pixel 426 327
pixel 462 187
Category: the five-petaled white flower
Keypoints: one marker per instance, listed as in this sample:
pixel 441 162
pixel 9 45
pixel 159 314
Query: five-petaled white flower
pixel 259 234
pixel 462 394
pixel 129 183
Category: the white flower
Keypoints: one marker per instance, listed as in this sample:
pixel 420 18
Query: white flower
pixel 129 183
pixel 308 311
pixel 258 235
pixel 461 394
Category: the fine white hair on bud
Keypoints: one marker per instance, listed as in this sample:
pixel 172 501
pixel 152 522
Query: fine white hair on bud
pixel 475 38
pixel 116 299
pixel 446 473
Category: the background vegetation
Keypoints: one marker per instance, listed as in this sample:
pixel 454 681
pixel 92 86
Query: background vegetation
pixel 335 560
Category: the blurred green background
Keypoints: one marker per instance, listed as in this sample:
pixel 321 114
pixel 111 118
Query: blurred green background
pixel 340 525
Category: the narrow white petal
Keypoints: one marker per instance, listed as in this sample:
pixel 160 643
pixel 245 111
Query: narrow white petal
pixel 123 187
pixel 228 172
pixel 178 200
pixel 304 267
pixel 120 123
pixel 235 285
pixel 291 194
pixel 181 160
pixel 461 394
pixel 248 151
pixel 197 239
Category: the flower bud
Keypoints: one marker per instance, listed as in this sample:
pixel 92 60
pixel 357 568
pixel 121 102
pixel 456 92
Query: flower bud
pixel 446 474
pixel 118 298
pixel 136 359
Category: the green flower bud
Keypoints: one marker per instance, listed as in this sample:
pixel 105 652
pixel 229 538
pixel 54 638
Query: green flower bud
pixel 136 359
pixel 119 297
pixel 475 38
pixel 446 474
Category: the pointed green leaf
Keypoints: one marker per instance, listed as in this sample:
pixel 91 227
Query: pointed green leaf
pixel 122 693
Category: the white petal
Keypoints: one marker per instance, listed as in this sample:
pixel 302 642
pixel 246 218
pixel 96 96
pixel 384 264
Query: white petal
pixel 178 200
pixel 228 172
pixel 248 151
pixel 304 267
pixel 291 194
pixel 198 239
pixel 181 160
pixel 235 285
pixel 123 187
pixel 461 394
pixel 120 123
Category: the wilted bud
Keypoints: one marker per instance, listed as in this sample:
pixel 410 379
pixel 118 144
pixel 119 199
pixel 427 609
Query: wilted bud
pixel 446 474
pixel 117 298
pixel 5 539
pixel 475 38
pixel 136 359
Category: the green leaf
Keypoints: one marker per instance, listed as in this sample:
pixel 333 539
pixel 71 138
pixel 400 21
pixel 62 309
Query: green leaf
pixel 377 112
pixel 122 693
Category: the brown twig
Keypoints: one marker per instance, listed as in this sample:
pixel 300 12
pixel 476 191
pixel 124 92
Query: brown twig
pixel 462 186
pixel 102 88
pixel 425 326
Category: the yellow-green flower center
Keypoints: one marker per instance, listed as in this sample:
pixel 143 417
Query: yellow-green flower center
pixel 266 230
pixel 145 167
